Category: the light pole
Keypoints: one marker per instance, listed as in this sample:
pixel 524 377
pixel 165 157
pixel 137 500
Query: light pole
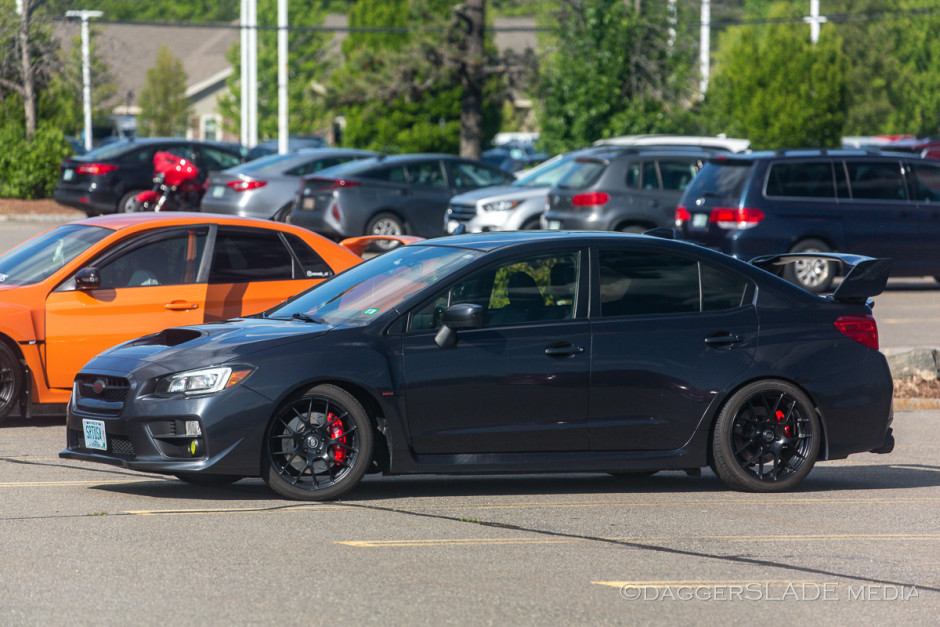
pixel 86 69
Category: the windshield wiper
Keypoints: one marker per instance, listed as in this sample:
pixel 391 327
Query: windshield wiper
pixel 306 318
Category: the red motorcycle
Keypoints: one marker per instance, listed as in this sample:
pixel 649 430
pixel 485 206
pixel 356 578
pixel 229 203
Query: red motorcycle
pixel 176 187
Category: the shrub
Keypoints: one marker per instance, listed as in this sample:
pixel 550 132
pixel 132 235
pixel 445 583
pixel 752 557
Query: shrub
pixel 30 169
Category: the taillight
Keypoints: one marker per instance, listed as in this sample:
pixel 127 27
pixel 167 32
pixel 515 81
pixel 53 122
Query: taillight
pixel 96 168
pixel 736 219
pixel 325 184
pixel 590 199
pixel 862 329
pixel 682 216
pixel 244 186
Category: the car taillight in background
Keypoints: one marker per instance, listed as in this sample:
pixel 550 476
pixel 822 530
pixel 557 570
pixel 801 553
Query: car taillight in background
pixel 244 186
pixel 323 185
pixel 682 217
pixel 95 169
pixel 590 199
pixel 862 329
pixel 735 219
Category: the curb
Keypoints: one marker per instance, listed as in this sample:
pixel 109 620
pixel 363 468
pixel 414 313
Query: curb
pixel 916 404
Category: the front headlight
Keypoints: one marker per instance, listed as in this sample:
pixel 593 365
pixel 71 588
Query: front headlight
pixel 202 381
pixel 501 205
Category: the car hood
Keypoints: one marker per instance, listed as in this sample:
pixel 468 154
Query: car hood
pixel 180 348
pixel 502 192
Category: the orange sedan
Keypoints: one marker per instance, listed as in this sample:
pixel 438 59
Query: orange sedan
pixel 82 287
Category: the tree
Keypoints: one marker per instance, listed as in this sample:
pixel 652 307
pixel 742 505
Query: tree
pixel 164 106
pixel 308 63
pixel 436 87
pixel 771 85
pixel 27 55
pixel 611 69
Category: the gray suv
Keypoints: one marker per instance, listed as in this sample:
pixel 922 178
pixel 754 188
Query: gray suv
pixel 513 207
pixel 622 189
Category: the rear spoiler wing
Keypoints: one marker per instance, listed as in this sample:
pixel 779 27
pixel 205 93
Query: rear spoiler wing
pixel 358 245
pixel 865 277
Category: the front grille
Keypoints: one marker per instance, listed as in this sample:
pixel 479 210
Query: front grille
pixel 101 394
pixel 461 212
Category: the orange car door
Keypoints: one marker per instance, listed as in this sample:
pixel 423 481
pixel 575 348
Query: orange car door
pixel 254 269
pixel 148 284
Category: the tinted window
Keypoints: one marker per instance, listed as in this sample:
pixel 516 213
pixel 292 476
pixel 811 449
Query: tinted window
pixel 645 283
pixel 876 180
pixel 722 180
pixel 393 174
pixel 426 173
pixel 649 177
pixel 801 180
pixel 532 289
pixel 173 259
pixel 312 264
pixel 215 159
pixel 583 173
pixel 316 165
pixel 633 175
pixel 40 257
pixel 243 256
pixel 927 181
pixel 676 175
pixel 472 176
pixel 720 289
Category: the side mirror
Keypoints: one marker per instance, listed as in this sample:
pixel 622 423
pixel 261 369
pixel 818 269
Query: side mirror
pixel 88 279
pixel 456 317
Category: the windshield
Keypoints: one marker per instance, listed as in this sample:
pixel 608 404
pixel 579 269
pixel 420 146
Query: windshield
pixel 548 173
pixel 369 289
pixel 723 180
pixel 44 255
pixel 263 162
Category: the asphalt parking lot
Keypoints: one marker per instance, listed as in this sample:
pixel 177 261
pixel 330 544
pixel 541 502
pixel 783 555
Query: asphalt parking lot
pixel 858 542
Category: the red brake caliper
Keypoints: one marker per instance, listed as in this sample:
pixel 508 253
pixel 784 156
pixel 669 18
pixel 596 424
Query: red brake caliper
pixel 787 431
pixel 335 429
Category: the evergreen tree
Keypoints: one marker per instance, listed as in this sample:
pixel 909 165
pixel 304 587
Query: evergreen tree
pixel 164 106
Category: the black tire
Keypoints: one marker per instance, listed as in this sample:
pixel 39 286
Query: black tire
pixel 128 203
pixel 207 480
pixel 532 224
pixel 766 438
pixel 318 446
pixel 813 276
pixel 385 224
pixel 11 381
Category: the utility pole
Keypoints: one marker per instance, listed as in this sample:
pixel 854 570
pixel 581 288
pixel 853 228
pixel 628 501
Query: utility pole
pixel 243 77
pixel 814 20
pixel 282 126
pixel 704 49
pixel 86 69
pixel 252 73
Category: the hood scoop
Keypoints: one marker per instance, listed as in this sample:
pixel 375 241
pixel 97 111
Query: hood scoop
pixel 168 337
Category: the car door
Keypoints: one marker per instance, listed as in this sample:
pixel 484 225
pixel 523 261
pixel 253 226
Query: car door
pixel 252 270
pixel 925 176
pixel 148 283
pixel 668 332
pixel 426 197
pixel 519 383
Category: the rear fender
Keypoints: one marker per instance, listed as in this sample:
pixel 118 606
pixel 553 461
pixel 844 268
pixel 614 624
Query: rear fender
pixel 865 276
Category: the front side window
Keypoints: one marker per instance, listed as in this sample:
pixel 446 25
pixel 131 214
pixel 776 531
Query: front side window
pixel 169 260
pixel 249 255
pixel 801 180
pixel 426 173
pixel 876 180
pixel 532 289
pixel 472 176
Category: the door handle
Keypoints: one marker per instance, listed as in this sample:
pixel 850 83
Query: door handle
pixel 723 339
pixel 563 349
pixel 181 305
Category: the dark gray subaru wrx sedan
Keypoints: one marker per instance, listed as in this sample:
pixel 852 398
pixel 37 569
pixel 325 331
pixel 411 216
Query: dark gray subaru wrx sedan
pixel 506 352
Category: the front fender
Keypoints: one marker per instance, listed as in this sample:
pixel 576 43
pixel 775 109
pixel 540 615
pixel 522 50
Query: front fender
pixel 16 322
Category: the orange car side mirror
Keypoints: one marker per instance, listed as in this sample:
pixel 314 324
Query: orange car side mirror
pixel 88 279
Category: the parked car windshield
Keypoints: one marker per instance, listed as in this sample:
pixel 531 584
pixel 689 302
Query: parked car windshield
pixel 109 151
pixel 43 256
pixel 723 180
pixel 583 173
pixel 358 295
pixel 546 174
pixel 263 162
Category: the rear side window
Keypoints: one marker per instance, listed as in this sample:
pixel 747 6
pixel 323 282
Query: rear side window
pixel 926 181
pixel 313 265
pixel 676 175
pixel 393 174
pixel 244 256
pixel 722 180
pixel 583 173
pixel 876 180
pixel 316 165
pixel 812 179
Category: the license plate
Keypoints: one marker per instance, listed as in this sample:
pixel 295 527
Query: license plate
pixel 309 203
pixel 452 226
pixel 68 174
pixel 95 436
pixel 218 191
pixel 699 220
pixel 554 224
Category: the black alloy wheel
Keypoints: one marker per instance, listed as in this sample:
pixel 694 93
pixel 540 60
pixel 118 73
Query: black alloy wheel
pixel 766 438
pixel 11 381
pixel 318 446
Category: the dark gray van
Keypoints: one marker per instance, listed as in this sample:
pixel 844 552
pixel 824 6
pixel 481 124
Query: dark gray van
pixel 863 202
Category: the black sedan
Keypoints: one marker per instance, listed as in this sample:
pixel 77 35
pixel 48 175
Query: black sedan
pixel 506 352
